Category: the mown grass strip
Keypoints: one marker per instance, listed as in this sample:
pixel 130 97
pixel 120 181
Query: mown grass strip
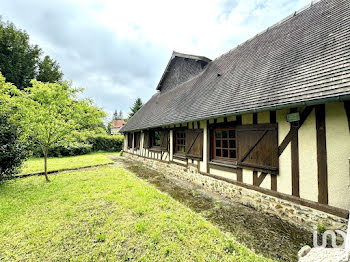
pixel 105 214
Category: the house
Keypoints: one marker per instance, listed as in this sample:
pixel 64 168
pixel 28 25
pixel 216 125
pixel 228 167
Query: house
pixel 116 125
pixel 266 124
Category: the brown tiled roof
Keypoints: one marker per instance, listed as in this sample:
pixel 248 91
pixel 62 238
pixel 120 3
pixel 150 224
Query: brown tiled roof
pixel 303 59
pixel 117 123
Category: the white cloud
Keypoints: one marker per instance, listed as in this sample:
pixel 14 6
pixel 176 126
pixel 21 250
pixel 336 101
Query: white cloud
pixel 117 50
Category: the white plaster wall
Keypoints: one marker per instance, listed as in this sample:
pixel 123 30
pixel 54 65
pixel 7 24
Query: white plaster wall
pixel 266 182
pixel 248 176
pixel 284 178
pixel 308 176
pixel 338 153
pixel 264 117
pixel 222 173
pixel 247 119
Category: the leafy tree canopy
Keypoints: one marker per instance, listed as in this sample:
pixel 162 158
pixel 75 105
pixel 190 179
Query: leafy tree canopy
pixel 49 71
pixel 20 62
pixel 13 150
pixel 136 107
pixel 51 113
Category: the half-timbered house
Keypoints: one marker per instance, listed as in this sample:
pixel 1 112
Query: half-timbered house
pixel 266 124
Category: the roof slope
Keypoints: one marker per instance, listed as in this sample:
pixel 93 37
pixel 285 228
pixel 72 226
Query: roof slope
pixel 304 58
pixel 117 123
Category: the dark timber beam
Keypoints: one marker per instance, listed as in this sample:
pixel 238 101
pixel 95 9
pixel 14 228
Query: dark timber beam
pixel 321 154
pixel 257 180
pixel 347 110
pixel 292 132
pixel 255 118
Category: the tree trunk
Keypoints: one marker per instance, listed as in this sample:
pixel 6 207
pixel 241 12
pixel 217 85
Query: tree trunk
pixel 45 166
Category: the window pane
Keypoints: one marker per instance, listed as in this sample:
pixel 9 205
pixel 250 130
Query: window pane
pixel 232 153
pixel 181 149
pixel 218 152
pixel 225 153
pixel 218 143
pixel 224 134
pixel 224 144
pixel 232 134
pixel 218 134
pixel 232 143
pixel 157 138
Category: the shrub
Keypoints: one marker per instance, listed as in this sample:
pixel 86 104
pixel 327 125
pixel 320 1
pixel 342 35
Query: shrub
pixel 106 143
pixel 70 149
pixel 12 150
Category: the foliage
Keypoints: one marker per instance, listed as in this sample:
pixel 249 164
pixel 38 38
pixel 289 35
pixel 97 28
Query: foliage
pixel 20 61
pixel 76 206
pixel 106 143
pixel 49 71
pixel 13 150
pixel 18 58
pixel 34 164
pixel 136 107
pixel 51 113
pixel 65 149
pixel 118 116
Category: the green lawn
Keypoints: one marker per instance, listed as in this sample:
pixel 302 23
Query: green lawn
pixel 36 165
pixel 105 213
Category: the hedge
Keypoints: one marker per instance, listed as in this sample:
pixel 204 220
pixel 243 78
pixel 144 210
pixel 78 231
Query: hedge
pixel 94 143
pixel 106 143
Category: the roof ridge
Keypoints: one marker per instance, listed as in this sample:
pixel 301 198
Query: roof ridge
pixel 295 13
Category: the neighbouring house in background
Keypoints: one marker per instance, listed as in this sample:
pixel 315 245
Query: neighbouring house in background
pixel 116 125
pixel 266 124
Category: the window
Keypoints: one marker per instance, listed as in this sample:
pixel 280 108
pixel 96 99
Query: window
pixel 137 140
pixel 180 141
pixel 156 139
pixel 130 137
pixel 224 144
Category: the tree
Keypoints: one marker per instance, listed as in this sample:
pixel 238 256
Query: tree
pixel 20 62
pixel 18 58
pixel 13 150
pixel 51 113
pixel 136 107
pixel 118 116
pixel 49 71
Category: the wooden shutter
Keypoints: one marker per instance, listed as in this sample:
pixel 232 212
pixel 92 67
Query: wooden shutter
pixel 164 134
pixel 258 147
pixel 194 143
pixel 137 140
pixel 146 140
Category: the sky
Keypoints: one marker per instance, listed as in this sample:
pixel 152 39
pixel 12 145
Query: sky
pixel 117 50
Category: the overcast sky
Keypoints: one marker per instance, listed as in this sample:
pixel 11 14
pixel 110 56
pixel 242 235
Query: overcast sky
pixel 117 50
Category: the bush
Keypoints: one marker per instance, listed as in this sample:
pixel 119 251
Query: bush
pixel 12 150
pixel 106 143
pixel 71 149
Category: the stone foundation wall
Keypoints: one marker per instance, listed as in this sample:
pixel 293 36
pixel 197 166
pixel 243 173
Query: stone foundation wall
pixel 293 213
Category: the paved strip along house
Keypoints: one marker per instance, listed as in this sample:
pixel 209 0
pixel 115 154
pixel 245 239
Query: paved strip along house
pixel 266 124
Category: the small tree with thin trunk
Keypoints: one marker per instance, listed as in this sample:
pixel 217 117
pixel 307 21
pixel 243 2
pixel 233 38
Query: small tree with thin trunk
pixel 51 112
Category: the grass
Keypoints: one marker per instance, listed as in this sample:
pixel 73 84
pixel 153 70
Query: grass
pixel 105 214
pixel 36 164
